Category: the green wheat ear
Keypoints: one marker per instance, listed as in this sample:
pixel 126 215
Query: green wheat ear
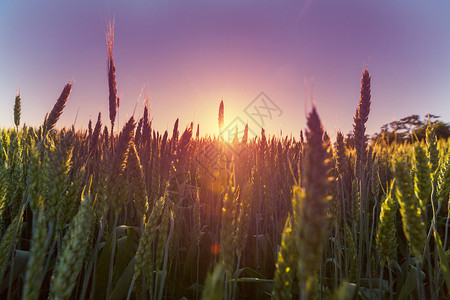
pixel 39 245
pixel 69 262
pixel 386 239
pixel 143 270
pixel 285 267
pixel 432 150
pixel 244 219
pixel 17 110
pixel 413 224
pixel 8 242
pixel 213 289
pixel 136 180
pixel 443 181
pixel 227 229
pixel 422 176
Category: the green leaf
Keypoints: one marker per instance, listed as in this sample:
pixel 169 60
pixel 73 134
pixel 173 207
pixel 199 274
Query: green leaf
pixel 123 284
pixel 20 263
pixel 196 287
pixel 370 294
pixel 123 230
pixel 366 282
pixel 191 259
pixel 396 266
pixel 20 267
pixel 346 291
pixel 102 270
pixel 252 279
pixel 410 284
pixel 249 272
pixel 442 259
pixel 126 249
pixel 264 285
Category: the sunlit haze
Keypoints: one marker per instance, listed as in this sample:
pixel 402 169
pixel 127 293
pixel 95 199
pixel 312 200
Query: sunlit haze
pixel 188 55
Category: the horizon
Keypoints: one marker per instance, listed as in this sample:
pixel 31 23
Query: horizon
pixel 188 57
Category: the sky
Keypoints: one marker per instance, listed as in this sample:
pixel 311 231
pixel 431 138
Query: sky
pixel 267 60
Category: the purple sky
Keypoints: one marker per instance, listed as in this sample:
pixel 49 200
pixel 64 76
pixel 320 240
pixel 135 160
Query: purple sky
pixel 190 54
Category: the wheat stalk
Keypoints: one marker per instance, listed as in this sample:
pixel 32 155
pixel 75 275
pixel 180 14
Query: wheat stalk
pixel 70 260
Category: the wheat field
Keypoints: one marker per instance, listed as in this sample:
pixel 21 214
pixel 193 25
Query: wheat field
pixel 140 214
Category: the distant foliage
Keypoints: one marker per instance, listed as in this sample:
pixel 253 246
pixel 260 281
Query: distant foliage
pixel 411 129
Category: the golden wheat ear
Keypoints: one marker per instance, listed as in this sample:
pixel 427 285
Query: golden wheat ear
pixel 221 115
pixel 112 84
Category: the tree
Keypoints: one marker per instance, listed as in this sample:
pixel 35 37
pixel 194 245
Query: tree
pixel 411 128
